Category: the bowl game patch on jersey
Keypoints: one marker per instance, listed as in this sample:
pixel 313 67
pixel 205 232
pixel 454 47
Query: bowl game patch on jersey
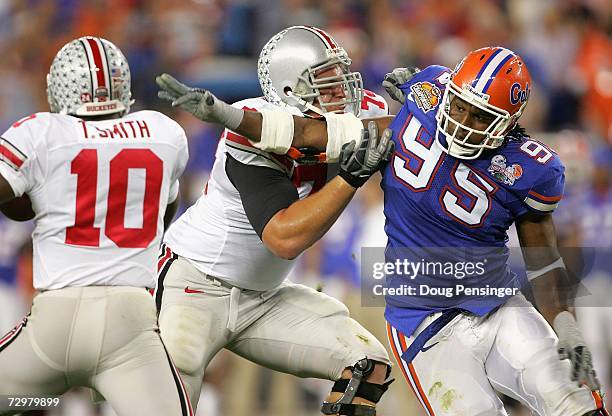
pixel 504 172
pixel 426 95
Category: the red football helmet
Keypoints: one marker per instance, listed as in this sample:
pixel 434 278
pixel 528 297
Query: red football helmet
pixel 495 80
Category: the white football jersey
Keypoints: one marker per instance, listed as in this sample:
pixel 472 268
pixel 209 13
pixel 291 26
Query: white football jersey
pixel 99 190
pixel 215 234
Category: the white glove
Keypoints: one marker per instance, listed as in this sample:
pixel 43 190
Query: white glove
pixel 571 346
pixel 199 102
pixel 397 77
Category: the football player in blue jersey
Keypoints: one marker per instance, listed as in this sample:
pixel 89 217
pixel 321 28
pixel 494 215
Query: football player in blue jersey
pixel 462 173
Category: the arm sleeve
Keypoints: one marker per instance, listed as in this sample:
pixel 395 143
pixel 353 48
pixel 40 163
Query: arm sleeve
pixel 263 191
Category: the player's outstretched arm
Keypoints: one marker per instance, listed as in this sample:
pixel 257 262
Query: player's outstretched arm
pixel 553 291
pixel 272 131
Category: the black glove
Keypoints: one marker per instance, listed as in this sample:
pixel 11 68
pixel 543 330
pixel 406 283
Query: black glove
pixel 357 165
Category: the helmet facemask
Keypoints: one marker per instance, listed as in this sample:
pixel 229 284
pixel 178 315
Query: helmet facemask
pixel 310 84
pixel 493 135
pixel 298 64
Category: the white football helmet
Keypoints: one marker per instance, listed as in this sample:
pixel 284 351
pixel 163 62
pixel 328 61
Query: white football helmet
pixel 290 62
pixel 89 76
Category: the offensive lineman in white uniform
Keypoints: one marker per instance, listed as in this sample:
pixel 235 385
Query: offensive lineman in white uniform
pixel 102 184
pixel 222 283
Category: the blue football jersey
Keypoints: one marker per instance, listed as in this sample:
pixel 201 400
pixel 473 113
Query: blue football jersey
pixel 446 213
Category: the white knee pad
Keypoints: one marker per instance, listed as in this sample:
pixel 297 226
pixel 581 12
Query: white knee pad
pixel 183 329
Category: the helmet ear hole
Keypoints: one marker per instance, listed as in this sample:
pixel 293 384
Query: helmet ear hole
pixel 287 90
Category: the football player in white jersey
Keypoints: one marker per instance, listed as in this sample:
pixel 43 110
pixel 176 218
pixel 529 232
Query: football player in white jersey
pixel 225 261
pixel 102 183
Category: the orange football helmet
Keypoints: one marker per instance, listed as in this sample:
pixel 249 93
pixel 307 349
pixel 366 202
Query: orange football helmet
pixel 493 79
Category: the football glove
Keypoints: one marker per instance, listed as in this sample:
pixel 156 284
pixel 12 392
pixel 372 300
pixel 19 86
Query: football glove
pixel 397 77
pixel 357 165
pixel 199 102
pixel 571 346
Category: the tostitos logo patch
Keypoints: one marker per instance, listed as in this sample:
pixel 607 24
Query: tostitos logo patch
pixel 500 170
pixel 426 95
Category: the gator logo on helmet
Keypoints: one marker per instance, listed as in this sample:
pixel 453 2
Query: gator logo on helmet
pixel 517 94
pixel 426 95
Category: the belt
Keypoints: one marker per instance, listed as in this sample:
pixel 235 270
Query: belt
pixel 217 282
pixel 234 301
pixel 428 333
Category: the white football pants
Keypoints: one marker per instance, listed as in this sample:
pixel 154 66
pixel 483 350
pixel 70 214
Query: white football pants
pixel 293 328
pixel 512 351
pixel 105 338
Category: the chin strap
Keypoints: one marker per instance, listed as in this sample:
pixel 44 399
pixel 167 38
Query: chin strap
pixel 305 104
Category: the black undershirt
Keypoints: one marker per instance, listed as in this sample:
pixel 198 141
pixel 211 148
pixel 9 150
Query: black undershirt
pixel 264 191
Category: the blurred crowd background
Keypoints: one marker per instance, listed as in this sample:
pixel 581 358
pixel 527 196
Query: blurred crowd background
pixel 214 44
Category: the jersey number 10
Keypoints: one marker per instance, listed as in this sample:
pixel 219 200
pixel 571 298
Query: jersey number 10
pixel 85 166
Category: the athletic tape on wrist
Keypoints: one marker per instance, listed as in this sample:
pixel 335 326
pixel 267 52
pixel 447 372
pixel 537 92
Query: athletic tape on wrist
pixel 232 116
pixel 341 129
pixel 557 264
pixel 276 132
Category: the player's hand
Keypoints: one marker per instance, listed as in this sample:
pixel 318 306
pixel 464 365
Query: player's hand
pixel 571 346
pixel 199 102
pixel 397 77
pixel 358 164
